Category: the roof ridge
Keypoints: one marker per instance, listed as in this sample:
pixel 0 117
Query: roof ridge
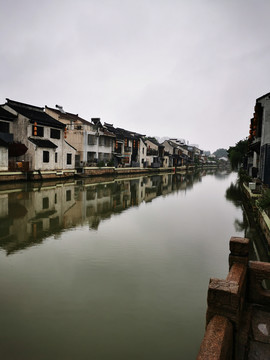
pixel 18 103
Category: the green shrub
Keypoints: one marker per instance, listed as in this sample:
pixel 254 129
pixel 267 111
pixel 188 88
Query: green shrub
pixel 243 176
pixel 264 200
pixel 110 163
pixel 101 163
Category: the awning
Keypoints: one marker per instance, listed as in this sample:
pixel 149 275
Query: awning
pixel 16 149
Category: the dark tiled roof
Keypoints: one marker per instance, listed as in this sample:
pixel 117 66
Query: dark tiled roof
pixel 122 133
pixel 153 140
pixel 34 113
pixel 3 143
pixel 6 115
pixel 263 96
pixel 129 134
pixel 43 143
pixel 68 116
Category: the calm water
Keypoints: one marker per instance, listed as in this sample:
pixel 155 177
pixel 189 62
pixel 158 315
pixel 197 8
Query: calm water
pixel 116 270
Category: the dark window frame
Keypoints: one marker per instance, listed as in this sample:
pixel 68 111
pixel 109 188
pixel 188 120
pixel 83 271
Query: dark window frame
pixel 40 131
pixel 69 158
pixel 55 133
pixel 46 156
pixel 4 127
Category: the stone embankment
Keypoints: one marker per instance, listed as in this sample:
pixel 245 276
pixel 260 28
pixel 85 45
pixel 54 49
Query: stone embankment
pixel 86 172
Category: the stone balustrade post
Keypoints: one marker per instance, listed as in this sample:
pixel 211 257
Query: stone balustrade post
pixel 257 273
pixel 225 302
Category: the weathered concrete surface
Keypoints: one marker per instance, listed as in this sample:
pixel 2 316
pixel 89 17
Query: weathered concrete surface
pixel 226 297
pixel 259 351
pixel 258 271
pixel 243 299
pixel 239 246
pixel 261 325
pixel 218 340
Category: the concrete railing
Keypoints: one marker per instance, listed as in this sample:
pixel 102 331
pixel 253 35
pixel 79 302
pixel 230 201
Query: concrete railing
pixel 225 302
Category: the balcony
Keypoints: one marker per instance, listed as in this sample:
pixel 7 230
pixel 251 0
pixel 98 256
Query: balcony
pixel 152 152
pixel 127 149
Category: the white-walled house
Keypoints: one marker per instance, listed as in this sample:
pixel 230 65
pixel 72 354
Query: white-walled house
pixel 93 142
pixel 3 155
pixel 43 137
pixel 142 153
pixel 259 140
pixel 176 151
pixel 6 136
pixel 129 149
pixel 155 153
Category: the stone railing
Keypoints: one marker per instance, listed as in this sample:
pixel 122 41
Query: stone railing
pixel 259 283
pixel 225 305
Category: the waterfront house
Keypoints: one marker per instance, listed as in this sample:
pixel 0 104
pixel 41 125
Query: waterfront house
pixel 259 140
pixel 179 156
pixel 130 148
pixel 3 155
pixel 195 154
pixel 155 153
pixel 93 142
pixel 6 136
pixel 38 141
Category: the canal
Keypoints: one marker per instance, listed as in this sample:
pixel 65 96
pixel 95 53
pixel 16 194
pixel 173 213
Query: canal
pixel 112 270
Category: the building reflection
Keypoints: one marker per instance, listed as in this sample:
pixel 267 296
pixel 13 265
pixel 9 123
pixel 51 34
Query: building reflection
pixel 30 215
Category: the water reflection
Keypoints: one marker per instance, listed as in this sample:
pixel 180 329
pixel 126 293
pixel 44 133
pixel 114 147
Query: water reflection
pixel 30 215
pixel 128 275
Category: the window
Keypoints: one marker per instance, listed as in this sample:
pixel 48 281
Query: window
pixel 92 140
pixel 68 195
pixel 101 141
pixel 69 159
pixel 40 131
pixel 56 157
pixel 45 203
pixel 55 134
pixel 4 127
pixel 46 156
pixel 105 141
pixel 91 155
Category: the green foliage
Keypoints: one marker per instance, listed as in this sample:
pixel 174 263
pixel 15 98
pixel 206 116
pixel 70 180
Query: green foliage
pixel 101 163
pixel 236 153
pixel 264 200
pixel 110 163
pixel 243 176
pixel 219 153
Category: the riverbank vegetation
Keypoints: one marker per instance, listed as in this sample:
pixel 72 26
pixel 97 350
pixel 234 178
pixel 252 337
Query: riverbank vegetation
pixel 237 153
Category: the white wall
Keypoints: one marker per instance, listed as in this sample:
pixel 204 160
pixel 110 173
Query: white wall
pixel 3 158
pixel 142 153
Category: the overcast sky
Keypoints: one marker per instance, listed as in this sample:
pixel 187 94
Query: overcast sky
pixel 190 69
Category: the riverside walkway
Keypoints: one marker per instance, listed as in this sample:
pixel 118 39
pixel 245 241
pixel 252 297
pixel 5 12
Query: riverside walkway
pixel 238 312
